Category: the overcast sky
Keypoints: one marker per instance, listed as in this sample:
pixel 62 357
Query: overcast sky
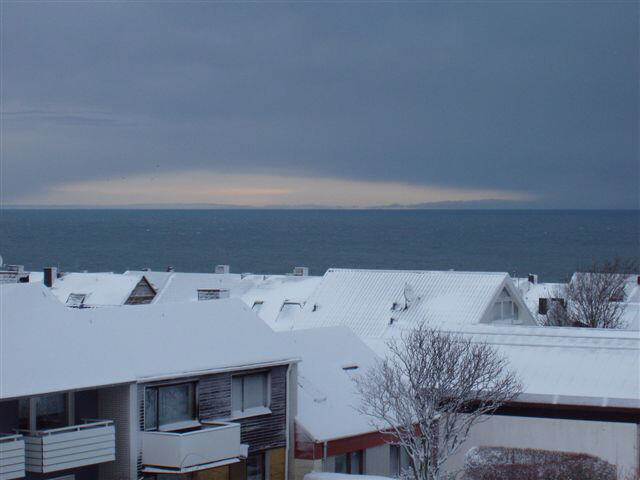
pixel 332 103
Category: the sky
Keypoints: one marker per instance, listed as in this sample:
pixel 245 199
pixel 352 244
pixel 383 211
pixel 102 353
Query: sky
pixel 323 103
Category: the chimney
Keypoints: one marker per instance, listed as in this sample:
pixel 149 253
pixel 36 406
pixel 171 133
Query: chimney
pixel 50 275
pixel 170 269
pixel 301 271
pixel 15 268
pixel 638 279
pixel 222 269
pixel 533 278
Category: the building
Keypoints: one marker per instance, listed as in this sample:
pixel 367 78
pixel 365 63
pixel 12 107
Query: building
pixel 102 289
pixel 376 303
pixel 331 435
pixel 197 390
pixel 581 386
pixel 275 298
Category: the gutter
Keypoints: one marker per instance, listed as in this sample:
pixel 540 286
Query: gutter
pixel 196 373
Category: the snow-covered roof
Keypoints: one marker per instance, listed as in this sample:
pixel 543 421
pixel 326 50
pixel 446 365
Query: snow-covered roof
pixel 270 292
pixel 565 365
pixel 100 289
pixel 541 290
pixel 46 347
pixel 373 302
pixel 326 393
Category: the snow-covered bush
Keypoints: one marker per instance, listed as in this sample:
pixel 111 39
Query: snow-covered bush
pixel 500 463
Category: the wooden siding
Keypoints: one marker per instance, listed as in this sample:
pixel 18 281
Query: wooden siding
pixel 277 462
pixel 214 403
pixel 143 293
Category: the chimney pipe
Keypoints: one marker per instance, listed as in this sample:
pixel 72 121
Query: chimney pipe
pixel 50 275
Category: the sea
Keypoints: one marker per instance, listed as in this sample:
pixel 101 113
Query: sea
pixel 550 243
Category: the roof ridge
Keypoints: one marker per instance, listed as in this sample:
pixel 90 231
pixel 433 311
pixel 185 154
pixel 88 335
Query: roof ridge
pixel 413 271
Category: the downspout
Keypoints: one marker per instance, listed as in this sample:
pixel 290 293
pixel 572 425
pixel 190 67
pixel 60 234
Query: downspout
pixel 286 419
pixel 324 455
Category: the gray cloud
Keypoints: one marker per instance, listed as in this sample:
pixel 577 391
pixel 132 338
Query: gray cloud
pixel 534 97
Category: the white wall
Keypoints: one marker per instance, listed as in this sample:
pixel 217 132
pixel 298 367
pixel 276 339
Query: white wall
pixel 377 461
pixel 617 443
pixel 115 403
pixel 302 467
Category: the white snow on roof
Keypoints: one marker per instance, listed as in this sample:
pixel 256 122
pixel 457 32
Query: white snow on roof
pixel 326 392
pixel 581 366
pixel 101 289
pixel 46 347
pixel 373 302
pixel 272 290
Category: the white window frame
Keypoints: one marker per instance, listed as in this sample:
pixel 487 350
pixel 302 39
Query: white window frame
pixel 252 411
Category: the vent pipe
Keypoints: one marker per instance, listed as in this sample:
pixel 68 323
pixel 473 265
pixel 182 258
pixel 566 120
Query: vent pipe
pixel 301 271
pixel 222 269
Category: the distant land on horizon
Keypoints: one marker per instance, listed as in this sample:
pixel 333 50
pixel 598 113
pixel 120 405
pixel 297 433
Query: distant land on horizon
pixel 444 205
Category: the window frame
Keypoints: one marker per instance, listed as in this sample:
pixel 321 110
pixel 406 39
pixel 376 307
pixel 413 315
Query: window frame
pixel 252 411
pixel 156 388
pixel 348 456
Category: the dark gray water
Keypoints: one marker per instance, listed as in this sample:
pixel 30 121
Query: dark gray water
pixel 550 243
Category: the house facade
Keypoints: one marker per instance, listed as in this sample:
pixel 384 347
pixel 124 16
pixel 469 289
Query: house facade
pixel 199 391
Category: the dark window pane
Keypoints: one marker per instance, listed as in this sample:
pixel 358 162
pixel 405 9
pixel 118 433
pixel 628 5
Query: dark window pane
pixel 341 463
pixel 51 411
pixel 255 467
pixel 356 462
pixel 150 409
pixel 176 403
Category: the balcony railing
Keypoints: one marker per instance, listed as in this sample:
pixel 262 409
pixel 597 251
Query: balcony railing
pixel 69 447
pixel 209 443
pixel 11 457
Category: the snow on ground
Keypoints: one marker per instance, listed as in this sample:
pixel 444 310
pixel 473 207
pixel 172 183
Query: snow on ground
pixel 341 476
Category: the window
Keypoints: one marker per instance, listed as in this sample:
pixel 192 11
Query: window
pixel 399 460
pixel 76 300
pixel 168 404
pixel 50 411
pixel 212 293
pixel 352 463
pixel 249 392
pixel 257 306
pixel 504 308
pixel 256 467
pixel 288 311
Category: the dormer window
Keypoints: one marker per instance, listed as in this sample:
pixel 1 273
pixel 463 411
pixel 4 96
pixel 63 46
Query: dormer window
pixel 505 308
pixel 76 300
pixel 288 310
pixel 257 306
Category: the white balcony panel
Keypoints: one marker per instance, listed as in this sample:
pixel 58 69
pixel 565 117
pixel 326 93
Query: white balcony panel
pixel 181 451
pixel 70 447
pixel 11 457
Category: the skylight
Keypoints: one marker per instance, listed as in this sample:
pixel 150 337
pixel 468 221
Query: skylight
pixel 76 300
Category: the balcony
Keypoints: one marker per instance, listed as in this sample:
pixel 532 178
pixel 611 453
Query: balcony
pixel 11 457
pixel 69 447
pixel 207 445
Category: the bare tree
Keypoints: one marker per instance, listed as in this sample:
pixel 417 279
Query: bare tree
pixel 429 392
pixel 593 297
